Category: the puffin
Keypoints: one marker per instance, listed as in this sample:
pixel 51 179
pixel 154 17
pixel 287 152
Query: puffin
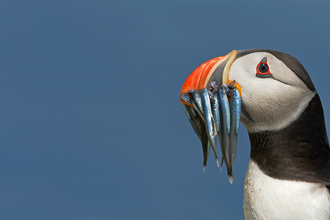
pixel 288 175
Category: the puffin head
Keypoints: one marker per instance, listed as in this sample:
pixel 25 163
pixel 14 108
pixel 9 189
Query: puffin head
pixel 274 90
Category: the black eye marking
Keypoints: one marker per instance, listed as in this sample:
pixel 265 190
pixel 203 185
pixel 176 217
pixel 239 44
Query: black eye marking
pixel 263 69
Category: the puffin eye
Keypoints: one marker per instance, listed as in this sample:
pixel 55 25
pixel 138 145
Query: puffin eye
pixel 263 69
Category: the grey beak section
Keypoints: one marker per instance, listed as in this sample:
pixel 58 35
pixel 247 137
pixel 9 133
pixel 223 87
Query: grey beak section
pixel 209 122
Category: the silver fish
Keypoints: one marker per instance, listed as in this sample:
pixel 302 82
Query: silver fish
pixel 225 128
pixel 196 120
pixel 197 102
pixel 235 115
pixel 188 110
pixel 209 122
pixel 216 110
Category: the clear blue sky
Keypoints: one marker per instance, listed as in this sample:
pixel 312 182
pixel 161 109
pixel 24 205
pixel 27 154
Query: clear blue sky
pixel 91 125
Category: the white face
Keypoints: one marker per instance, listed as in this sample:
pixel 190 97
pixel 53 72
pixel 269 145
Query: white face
pixel 272 103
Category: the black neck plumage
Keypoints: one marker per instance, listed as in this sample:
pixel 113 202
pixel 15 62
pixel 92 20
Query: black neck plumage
pixel 298 152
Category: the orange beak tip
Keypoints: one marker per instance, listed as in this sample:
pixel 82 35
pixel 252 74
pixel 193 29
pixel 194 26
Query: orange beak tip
pixel 236 85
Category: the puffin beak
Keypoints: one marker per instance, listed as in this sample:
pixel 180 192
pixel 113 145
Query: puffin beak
pixel 212 104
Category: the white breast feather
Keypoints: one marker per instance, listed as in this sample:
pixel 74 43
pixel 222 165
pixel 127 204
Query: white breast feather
pixel 268 198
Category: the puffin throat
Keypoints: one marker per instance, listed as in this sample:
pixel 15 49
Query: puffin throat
pixel 299 151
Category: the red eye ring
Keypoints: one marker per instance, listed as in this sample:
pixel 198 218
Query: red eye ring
pixel 263 69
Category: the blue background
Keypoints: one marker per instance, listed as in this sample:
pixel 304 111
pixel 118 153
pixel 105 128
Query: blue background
pixel 91 125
